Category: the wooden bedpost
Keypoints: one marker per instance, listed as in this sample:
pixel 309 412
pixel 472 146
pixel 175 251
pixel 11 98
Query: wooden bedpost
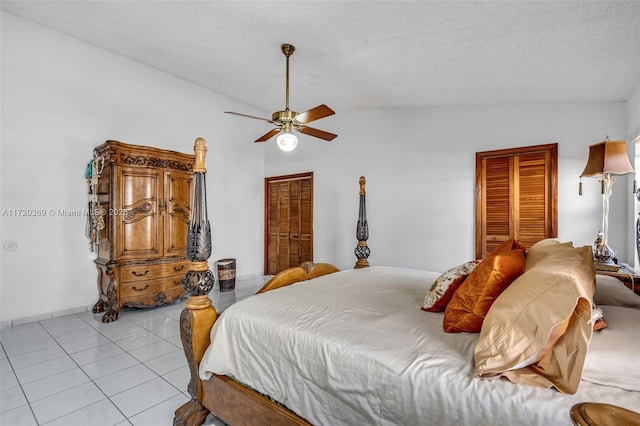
pixel 362 230
pixel 199 314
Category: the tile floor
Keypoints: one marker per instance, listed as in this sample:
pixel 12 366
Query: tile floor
pixel 76 371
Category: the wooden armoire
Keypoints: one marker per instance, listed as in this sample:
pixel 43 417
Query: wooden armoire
pixel 144 195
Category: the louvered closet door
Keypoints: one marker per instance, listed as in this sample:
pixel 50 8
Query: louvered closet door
pixel 533 190
pixel 289 222
pixel 497 191
pixel 516 196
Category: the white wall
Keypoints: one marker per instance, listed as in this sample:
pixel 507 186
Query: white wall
pixel 62 97
pixel 633 134
pixel 420 170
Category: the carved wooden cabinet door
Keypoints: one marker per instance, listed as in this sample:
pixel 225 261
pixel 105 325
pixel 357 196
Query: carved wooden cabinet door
pixel 137 213
pixel 177 196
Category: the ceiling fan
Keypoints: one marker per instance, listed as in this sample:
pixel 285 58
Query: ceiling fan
pixel 287 120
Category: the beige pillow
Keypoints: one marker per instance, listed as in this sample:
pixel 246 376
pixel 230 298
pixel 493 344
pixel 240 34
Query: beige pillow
pixel 544 248
pixel 538 330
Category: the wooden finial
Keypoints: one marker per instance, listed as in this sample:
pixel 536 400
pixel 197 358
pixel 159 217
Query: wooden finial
pixel 200 148
pixel 363 181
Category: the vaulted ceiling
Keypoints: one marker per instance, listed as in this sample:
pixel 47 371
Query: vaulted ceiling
pixel 359 54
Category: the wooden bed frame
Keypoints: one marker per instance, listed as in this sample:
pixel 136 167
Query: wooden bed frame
pixel 228 400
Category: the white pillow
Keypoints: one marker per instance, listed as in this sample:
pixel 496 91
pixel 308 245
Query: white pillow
pixel 612 356
pixel 611 291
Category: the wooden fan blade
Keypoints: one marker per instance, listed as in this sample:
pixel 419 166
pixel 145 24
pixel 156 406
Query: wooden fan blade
pixel 249 116
pixel 321 111
pixel 317 133
pixel 268 135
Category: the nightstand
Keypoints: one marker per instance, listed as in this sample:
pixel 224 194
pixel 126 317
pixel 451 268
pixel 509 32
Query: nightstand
pixel 629 277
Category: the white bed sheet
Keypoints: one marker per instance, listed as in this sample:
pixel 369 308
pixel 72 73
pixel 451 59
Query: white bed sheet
pixel 354 348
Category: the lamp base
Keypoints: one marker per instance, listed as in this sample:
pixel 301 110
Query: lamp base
pixel 605 258
pixel 602 253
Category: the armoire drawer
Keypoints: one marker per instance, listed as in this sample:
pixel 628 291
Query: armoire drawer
pixel 147 272
pixel 144 287
pixel 152 299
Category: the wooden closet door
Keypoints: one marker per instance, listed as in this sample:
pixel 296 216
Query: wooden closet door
pixel 534 176
pixel 137 214
pixel 497 219
pixel 516 196
pixel 177 199
pixel 289 221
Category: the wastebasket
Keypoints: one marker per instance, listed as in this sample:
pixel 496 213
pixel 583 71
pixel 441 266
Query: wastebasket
pixel 227 274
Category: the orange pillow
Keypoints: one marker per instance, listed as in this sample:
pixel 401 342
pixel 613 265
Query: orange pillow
pixel 471 302
pixel 510 244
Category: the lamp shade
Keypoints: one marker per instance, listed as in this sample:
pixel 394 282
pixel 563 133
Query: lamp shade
pixel 608 157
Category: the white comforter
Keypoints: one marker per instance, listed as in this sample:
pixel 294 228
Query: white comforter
pixel 354 348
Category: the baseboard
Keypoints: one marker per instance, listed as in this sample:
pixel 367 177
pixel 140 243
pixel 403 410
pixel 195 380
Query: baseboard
pixel 46 316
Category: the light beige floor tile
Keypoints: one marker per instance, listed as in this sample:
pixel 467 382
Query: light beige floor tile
pixel 66 402
pixel 21 416
pixel 125 379
pixel 50 385
pixel 161 414
pixel 144 396
pixel 11 398
pixel 110 365
pixel 101 413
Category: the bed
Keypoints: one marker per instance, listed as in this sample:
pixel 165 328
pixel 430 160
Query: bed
pixel 321 346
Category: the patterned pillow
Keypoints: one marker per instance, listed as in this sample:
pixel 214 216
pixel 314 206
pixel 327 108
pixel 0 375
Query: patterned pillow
pixel 445 285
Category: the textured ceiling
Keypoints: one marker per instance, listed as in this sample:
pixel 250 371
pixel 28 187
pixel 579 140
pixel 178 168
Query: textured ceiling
pixel 355 54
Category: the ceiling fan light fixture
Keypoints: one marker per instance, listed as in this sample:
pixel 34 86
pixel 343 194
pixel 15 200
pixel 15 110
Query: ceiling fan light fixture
pixel 287 119
pixel 287 141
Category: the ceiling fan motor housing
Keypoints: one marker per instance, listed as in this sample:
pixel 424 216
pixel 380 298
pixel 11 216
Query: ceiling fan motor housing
pixel 283 116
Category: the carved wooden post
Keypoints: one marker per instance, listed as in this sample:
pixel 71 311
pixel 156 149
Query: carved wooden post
pixel 199 314
pixel 362 230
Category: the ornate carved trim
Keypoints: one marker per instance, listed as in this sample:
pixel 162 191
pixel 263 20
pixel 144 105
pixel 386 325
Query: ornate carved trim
pixel 181 211
pixel 199 242
pixel 112 291
pixel 198 283
pixel 141 160
pixel 141 209
pixel 187 333
pixel 191 412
